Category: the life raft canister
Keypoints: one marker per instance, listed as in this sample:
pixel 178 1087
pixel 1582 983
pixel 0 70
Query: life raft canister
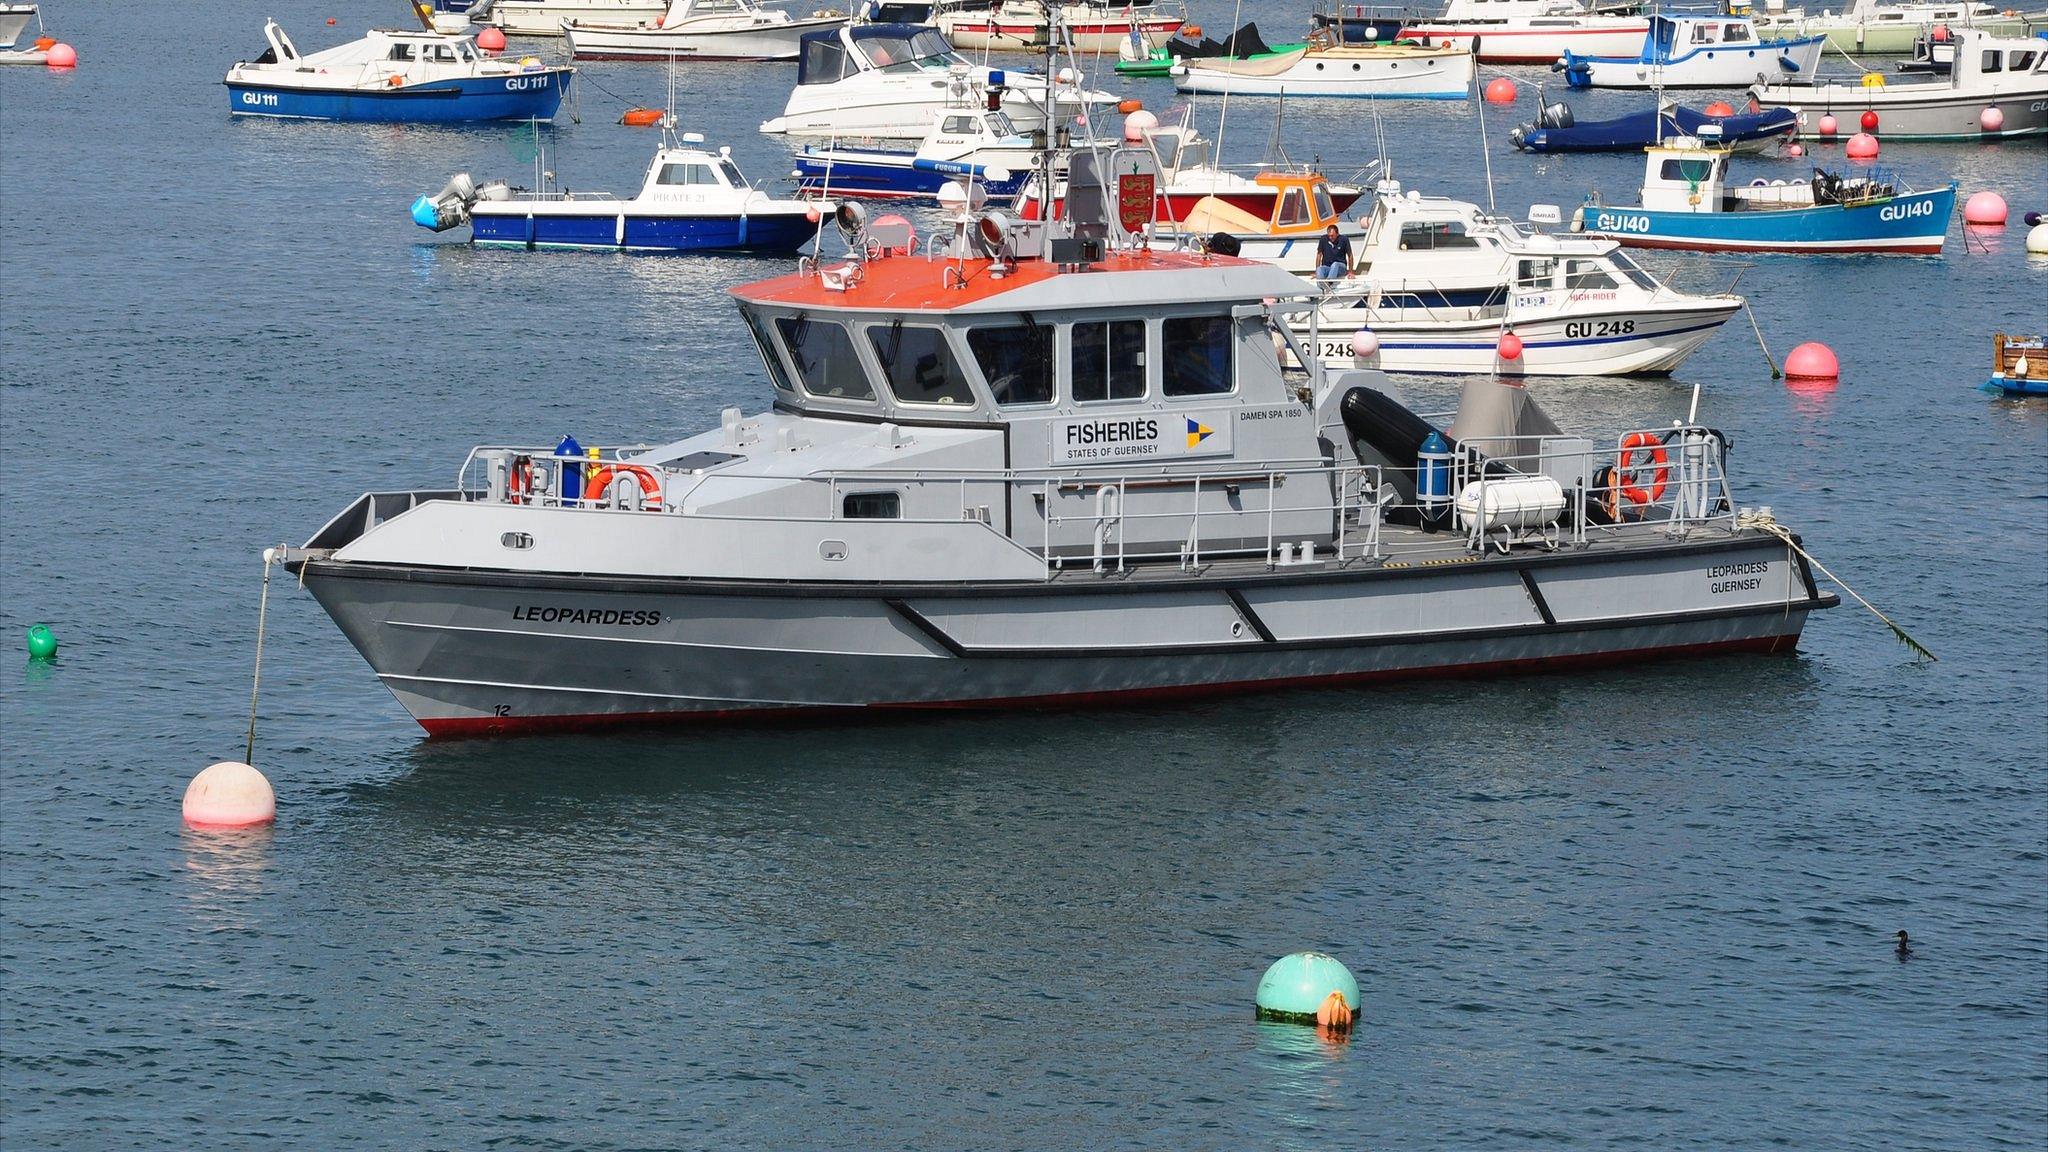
pixel 599 485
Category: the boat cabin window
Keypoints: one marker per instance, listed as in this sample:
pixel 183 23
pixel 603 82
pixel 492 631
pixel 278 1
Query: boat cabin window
pixel 401 52
pixel 2021 61
pixel 1534 273
pixel 1735 34
pixel 1016 361
pixel 1195 356
pixel 1587 276
pixel 824 359
pixel 1293 208
pixel 1629 268
pixel 1108 360
pixel 824 62
pixel 1439 234
pixel 1703 33
pixel 732 174
pixel 959 125
pixel 872 506
pixel 999 124
pixel 681 172
pixel 907 54
pixel 919 365
pixel 1994 61
pixel 1688 171
pixel 444 53
pixel 1326 209
pixel 777 374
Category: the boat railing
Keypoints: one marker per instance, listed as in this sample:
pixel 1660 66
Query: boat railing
pixel 1375 292
pixel 1544 491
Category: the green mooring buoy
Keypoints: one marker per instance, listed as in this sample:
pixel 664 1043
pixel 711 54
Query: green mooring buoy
pixel 42 643
pixel 1297 984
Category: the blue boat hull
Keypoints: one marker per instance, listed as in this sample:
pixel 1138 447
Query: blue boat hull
pixel 526 96
pixel 1640 130
pixel 2015 387
pixel 886 176
pixel 1910 224
pixel 777 233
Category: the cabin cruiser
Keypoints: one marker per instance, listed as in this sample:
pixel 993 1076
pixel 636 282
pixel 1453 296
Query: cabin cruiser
pixel 392 75
pixel 700 30
pixel 1698 52
pixel 692 200
pixel 1533 31
pixel 546 17
pixel 1026 24
pixel 885 81
pixel 1041 466
pixel 1994 88
pixel 1867 27
pixel 1437 282
pixel 964 140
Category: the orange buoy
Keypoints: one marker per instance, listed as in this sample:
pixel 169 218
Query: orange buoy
pixel 1500 90
pixel 398 81
pixel 1129 106
pixel 1191 29
pixel 641 117
pixel 1719 108
pixel 45 43
pixel 330 21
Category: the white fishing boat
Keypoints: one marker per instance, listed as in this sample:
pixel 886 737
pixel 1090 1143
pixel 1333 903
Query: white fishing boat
pixel 1532 31
pixel 1322 67
pixel 885 81
pixel 1699 52
pixel 546 17
pixel 14 20
pixel 394 75
pixel 702 30
pixel 1043 466
pixel 1996 88
pixel 1868 27
pixel 1013 25
pixel 1438 283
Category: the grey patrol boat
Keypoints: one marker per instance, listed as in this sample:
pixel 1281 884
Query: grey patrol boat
pixel 1043 464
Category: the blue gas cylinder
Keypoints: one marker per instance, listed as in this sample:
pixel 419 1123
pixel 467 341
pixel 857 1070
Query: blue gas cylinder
pixel 572 474
pixel 1433 472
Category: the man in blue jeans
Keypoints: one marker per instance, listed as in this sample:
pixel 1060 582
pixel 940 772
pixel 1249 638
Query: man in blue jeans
pixel 1333 255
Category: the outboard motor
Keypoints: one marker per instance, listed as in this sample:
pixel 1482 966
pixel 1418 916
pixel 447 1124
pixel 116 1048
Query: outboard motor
pixel 448 208
pixel 1519 136
pixel 1557 115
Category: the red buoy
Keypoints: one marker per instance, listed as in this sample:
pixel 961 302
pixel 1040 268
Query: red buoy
pixel 1869 120
pixel 1719 108
pixel 1500 90
pixel 491 40
pixel 1510 346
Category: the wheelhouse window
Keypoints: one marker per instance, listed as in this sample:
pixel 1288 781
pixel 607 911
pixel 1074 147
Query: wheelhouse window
pixel 824 61
pixel 2021 61
pixel 1195 356
pixel 1994 61
pixel 1586 276
pixel 1440 234
pixel 687 173
pixel 401 52
pixel 824 359
pixel 732 173
pixel 1293 208
pixel 960 125
pixel 765 344
pixel 872 506
pixel 1690 171
pixel 919 365
pixel 1629 268
pixel 1326 209
pixel 1735 34
pixel 1534 273
pixel 1108 360
pixel 1016 361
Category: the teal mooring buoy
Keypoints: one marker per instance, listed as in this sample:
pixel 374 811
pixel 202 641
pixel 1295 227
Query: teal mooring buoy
pixel 42 643
pixel 1297 984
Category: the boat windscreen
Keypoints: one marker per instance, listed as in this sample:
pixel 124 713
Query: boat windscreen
pixel 922 49
pixel 823 62
pixel 919 365
pixel 1633 271
pixel 777 374
pixel 824 358
pixel 1016 361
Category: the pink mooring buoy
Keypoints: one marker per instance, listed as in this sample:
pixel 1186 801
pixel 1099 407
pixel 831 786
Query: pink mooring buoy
pixel 1991 119
pixel 61 55
pixel 1795 150
pixel 1828 126
pixel 491 40
pixel 1510 346
pixel 1984 208
pixel 1364 343
pixel 229 795
pixel 1861 146
pixel 1500 90
pixel 1812 361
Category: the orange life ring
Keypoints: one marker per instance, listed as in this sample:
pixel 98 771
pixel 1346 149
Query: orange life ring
pixel 599 485
pixel 519 482
pixel 1625 467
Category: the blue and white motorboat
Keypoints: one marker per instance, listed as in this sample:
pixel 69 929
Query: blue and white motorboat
pixel 1688 203
pixel 1699 52
pixel 389 75
pixel 693 200
pixel 965 140
pixel 1555 129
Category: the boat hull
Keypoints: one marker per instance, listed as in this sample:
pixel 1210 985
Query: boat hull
pixel 525 18
pixel 1445 76
pixel 1914 224
pixel 1518 45
pixel 704 41
pixel 1624 342
pixel 526 96
pixel 639 231
pixel 1731 67
pixel 892 176
pixel 1891 38
pixel 1939 114
pixel 472 653
pixel 981 30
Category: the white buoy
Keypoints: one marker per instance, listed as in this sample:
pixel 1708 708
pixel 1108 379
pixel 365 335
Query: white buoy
pixel 229 794
pixel 2037 240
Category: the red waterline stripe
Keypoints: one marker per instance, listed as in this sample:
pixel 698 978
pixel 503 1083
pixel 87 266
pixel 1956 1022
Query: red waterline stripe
pixel 472 726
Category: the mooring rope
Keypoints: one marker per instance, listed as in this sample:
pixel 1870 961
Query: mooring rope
pixel 270 556
pixel 1762 520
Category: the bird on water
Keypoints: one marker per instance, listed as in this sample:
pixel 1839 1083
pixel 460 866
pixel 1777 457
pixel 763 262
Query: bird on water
pixel 1904 950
